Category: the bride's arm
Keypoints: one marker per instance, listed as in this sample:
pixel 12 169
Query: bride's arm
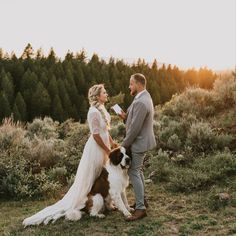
pixel 113 144
pixel 95 120
pixel 100 142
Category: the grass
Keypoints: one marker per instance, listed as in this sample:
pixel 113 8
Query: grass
pixel 168 214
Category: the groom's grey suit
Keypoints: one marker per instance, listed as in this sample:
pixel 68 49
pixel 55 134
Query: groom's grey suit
pixel 140 138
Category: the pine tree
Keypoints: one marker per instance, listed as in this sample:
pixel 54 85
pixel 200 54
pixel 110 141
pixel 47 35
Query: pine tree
pixel 72 89
pixel 80 80
pixel 81 56
pixel 27 89
pixel 74 113
pixel 52 87
pixel 7 87
pixel 206 78
pixel 28 52
pixel 57 110
pixel 65 100
pixel 44 78
pixel 41 101
pixel 21 107
pixel 69 56
pixel 39 54
pixel 154 65
pixel 17 73
pixel 51 59
pixel 83 109
pixel 16 113
pixel 5 110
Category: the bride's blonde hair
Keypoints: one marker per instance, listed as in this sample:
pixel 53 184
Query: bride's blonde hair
pixel 93 94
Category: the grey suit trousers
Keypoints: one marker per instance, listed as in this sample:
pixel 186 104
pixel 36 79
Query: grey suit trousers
pixel 137 178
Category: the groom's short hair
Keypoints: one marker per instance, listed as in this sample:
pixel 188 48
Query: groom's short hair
pixel 140 78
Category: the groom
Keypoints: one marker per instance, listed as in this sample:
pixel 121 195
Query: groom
pixel 139 137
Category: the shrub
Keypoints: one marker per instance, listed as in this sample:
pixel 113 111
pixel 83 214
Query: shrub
pixel 218 166
pixel 195 101
pixel 217 199
pixel 18 181
pixel 201 102
pixel 187 180
pixel 160 166
pixel 46 152
pixel 198 174
pixel 201 137
pixel 58 174
pixel 170 132
pixel 43 129
pixel 11 134
pixel 174 142
pixel 225 91
pixel 118 131
pixel 74 145
pixel 67 128
pixel 204 172
pixel 35 162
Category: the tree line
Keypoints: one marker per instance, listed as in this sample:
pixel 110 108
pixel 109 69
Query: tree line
pixel 35 85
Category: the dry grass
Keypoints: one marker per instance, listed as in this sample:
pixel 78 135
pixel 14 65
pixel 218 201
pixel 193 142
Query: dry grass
pixel 168 214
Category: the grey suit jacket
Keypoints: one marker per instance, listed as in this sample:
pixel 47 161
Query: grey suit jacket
pixel 139 124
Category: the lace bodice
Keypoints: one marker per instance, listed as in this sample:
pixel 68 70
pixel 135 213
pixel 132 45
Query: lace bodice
pixel 97 124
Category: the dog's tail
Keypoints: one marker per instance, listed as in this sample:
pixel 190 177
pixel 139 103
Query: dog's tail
pixel 73 215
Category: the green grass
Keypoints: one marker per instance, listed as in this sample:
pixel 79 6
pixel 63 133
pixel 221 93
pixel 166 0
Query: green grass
pixel 168 214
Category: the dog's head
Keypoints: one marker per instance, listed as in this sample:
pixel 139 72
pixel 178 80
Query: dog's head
pixel 118 156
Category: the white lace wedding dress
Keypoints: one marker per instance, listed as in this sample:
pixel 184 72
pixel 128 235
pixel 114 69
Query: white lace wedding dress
pixel 90 166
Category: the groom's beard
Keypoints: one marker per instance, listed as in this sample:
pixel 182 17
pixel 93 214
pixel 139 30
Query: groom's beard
pixel 134 93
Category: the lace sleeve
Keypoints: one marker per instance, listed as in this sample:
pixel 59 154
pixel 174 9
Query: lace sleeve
pixel 94 122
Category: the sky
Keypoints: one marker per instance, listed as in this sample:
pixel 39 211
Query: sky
pixel 185 33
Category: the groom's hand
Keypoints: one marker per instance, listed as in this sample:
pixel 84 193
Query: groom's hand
pixel 122 115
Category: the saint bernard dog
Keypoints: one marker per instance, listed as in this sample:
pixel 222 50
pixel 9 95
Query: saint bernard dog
pixel 109 189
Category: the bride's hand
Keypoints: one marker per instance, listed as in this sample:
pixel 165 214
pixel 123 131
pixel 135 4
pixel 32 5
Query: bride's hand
pixel 114 145
pixel 108 151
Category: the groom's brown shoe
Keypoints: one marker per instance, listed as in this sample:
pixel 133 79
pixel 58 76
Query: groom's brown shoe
pixel 138 214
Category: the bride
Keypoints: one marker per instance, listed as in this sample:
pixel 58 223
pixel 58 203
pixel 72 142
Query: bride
pixel 95 155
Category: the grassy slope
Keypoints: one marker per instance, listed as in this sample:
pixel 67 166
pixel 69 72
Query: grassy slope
pixel 169 214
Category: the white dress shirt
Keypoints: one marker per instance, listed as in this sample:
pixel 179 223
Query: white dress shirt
pixel 139 94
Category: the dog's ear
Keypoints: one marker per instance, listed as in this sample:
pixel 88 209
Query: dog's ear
pixel 115 156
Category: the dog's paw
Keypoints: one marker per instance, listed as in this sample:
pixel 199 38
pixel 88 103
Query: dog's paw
pixel 126 214
pixel 98 215
pixel 114 208
pixel 111 208
pixel 101 216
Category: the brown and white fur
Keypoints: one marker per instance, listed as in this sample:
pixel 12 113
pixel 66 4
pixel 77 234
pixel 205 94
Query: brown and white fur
pixel 109 189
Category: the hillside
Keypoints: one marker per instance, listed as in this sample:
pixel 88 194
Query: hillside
pixel 190 176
